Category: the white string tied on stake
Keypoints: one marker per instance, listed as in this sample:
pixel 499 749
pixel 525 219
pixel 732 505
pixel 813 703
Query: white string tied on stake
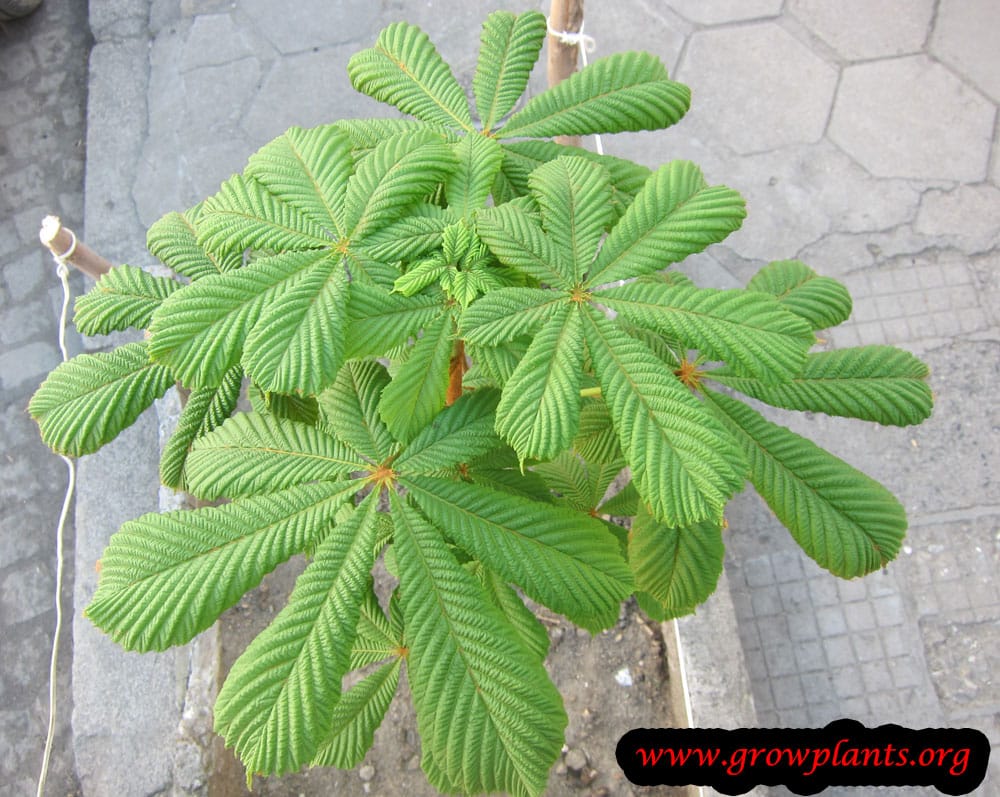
pixel 62 270
pixel 585 44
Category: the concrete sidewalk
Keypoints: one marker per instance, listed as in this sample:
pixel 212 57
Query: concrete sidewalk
pixel 863 136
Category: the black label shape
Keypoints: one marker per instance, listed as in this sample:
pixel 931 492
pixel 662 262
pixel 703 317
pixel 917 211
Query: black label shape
pixel 844 753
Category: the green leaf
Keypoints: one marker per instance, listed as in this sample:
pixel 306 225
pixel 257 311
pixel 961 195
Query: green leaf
pixel 308 169
pixel 530 631
pixel 488 715
pixel 88 400
pixel 821 301
pixel 539 412
pixel 350 409
pixel 252 453
pixel 399 172
pixel 174 240
pixel 245 215
pixel 684 462
pixel 517 241
pixel 124 297
pixel 596 440
pixel 356 718
pixel 624 503
pixel 417 393
pixel 457 434
pixel 416 234
pixel 297 342
pixel 521 158
pixel 404 69
pixel 677 567
pixel 167 577
pixel 873 383
pixel 479 159
pixel 366 134
pixel 506 313
pixel 847 522
pixel 559 557
pixel 675 215
pixel 581 485
pixel 200 330
pixel 376 639
pixel 498 360
pixel 574 196
pixel 625 91
pixel 509 47
pixel 276 706
pixel 304 409
pixel 750 331
pixel 381 321
pixel 205 410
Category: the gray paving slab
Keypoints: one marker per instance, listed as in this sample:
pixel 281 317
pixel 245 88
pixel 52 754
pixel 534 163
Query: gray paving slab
pixel 43 61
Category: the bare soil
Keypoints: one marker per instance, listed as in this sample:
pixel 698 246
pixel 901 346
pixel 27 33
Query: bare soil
pixel 610 683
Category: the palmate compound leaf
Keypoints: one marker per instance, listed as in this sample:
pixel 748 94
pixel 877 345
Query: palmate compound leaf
pixel 504 314
pixel 509 47
pixel 532 633
pixel 349 408
pixel 539 412
pixel 297 342
pixel 205 410
pixel 457 434
pixel 574 197
pixel 276 707
pixel 847 522
pixel 873 383
pixel 418 391
pixel 674 215
pixel 521 158
pixel 167 577
pixel 200 331
pixel 308 169
pixel 677 567
pixel 357 716
pixel 253 453
pixel 88 400
pixel 821 301
pixel 750 331
pixel 398 173
pixel 561 558
pixel 404 69
pixel 479 159
pixel 174 240
pixel 488 715
pixel 124 297
pixel 519 242
pixel 381 321
pixel 684 462
pixel 623 92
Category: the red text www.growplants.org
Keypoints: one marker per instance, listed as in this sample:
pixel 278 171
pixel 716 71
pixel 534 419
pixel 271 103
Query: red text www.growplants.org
pixel 844 753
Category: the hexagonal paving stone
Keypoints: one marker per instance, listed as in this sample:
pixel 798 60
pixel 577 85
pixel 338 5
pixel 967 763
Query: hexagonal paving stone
pixel 859 29
pixel 911 117
pixel 713 13
pixel 757 88
pixel 965 37
pixel 313 23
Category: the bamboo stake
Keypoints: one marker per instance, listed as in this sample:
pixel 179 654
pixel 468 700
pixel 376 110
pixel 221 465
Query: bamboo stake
pixel 63 243
pixel 565 16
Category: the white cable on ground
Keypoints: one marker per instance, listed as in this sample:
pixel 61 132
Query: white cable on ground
pixel 63 271
pixel 585 44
